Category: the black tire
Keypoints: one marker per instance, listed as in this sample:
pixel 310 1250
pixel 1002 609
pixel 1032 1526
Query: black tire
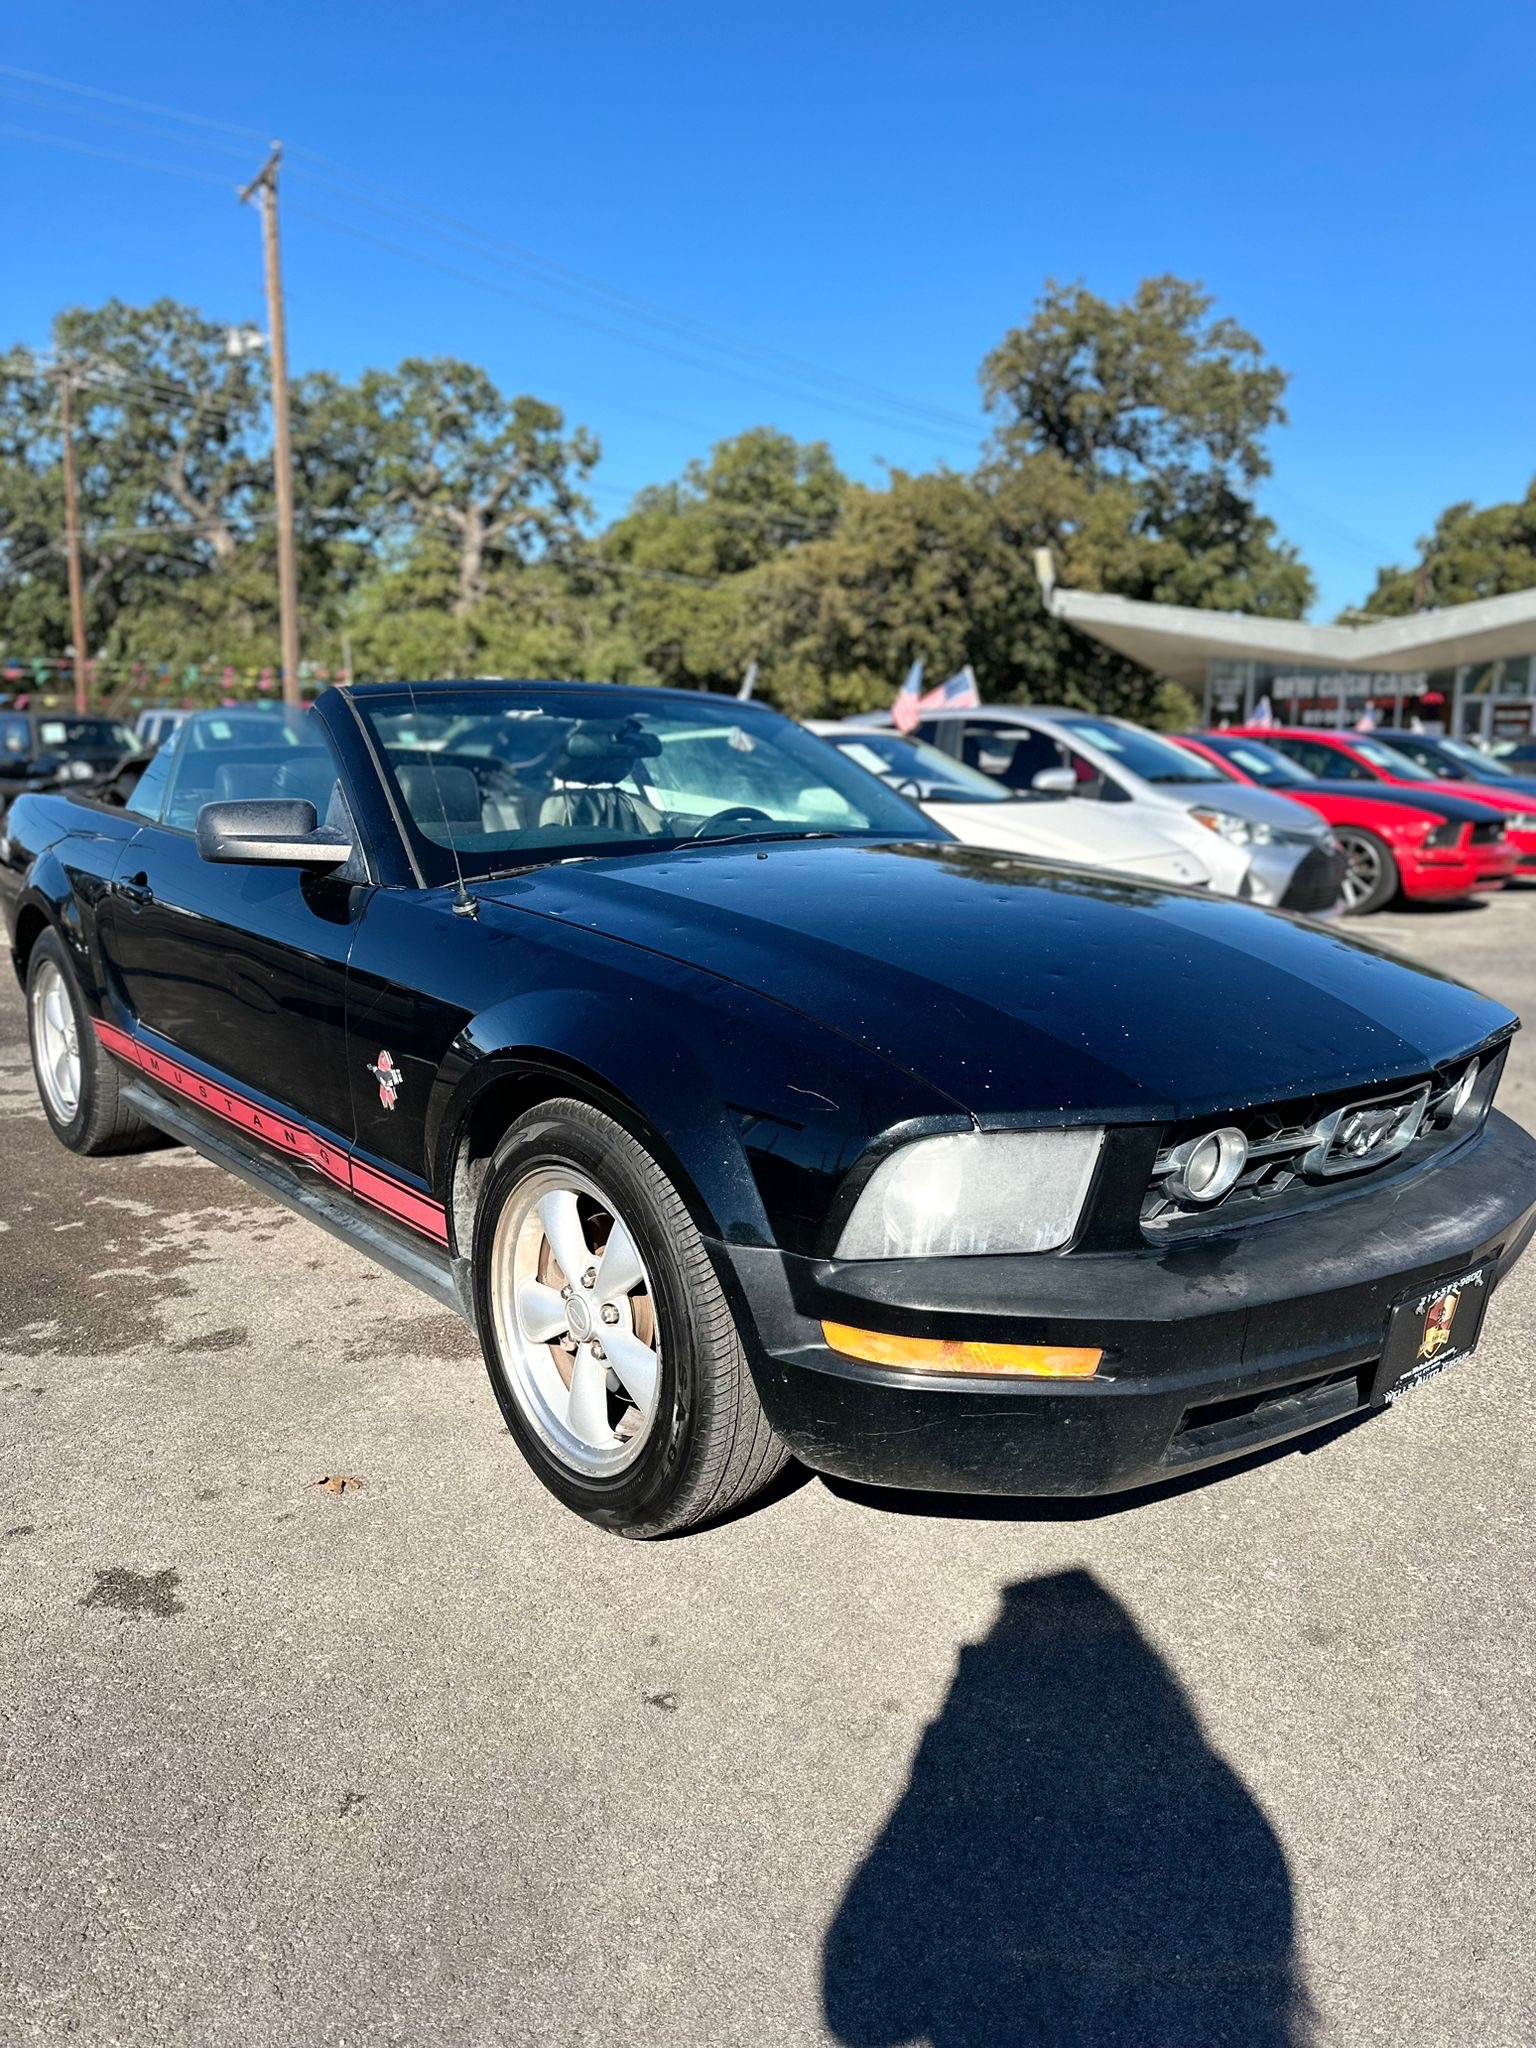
pixel 102 1122
pixel 708 1447
pixel 1370 872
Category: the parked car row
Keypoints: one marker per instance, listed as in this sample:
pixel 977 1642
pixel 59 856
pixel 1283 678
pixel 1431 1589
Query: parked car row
pixel 1302 819
pixel 1245 841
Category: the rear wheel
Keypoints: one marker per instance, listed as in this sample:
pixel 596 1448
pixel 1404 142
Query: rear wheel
pixel 612 1351
pixel 76 1081
pixel 1370 872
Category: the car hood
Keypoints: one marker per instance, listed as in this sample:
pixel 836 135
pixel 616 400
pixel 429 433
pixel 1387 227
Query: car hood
pixel 1468 810
pixel 1066 830
pixel 1474 792
pixel 1023 988
pixel 1259 806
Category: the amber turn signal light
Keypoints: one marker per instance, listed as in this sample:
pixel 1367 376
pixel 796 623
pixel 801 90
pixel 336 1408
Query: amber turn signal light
pixel 952 1354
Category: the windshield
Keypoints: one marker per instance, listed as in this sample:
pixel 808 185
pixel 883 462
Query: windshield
pixel 83 736
pixel 933 775
pixel 280 727
pixel 1473 759
pixel 1387 759
pixel 503 778
pixel 1143 753
pixel 1259 763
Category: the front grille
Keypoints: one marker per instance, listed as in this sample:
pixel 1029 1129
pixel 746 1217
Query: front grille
pixel 1489 834
pixel 1316 882
pixel 1300 1152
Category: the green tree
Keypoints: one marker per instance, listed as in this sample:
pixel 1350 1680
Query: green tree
pixel 1473 552
pixel 1134 434
pixel 174 477
pixel 681 550
pixel 463 474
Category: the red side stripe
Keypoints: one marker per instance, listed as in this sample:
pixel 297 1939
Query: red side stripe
pixel 379 1190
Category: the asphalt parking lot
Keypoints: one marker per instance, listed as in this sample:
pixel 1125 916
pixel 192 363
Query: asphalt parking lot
pixel 426 1760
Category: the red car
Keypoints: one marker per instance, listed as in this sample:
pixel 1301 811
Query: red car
pixel 1363 757
pixel 1429 847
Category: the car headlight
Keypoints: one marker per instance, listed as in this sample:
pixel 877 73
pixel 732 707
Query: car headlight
pixel 1240 831
pixel 1448 834
pixel 975 1193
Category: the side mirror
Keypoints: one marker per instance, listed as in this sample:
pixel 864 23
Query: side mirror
pixel 1055 782
pixel 267 831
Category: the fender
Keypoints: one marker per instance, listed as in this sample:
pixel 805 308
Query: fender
pixel 60 857
pixel 755 1111
pixel 48 901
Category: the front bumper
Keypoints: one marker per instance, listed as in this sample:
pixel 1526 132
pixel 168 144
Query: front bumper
pixel 1212 1348
pixel 1296 875
pixel 1442 872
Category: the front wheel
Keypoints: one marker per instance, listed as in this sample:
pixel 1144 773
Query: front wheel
pixel 611 1349
pixel 76 1081
pixel 1370 872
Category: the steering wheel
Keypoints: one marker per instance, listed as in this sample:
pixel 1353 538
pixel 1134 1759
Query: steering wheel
pixel 736 814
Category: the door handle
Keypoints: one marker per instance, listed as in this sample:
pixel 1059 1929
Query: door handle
pixel 135 889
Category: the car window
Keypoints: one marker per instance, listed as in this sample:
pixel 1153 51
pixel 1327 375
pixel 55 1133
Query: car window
pixel 933 775
pixel 205 775
pixel 1332 763
pixel 15 736
pixel 1472 759
pixel 218 729
pixel 1011 754
pixel 574 771
pixel 1143 753
pixel 84 736
pixel 149 791
pixel 1261 764
pixel 1387 759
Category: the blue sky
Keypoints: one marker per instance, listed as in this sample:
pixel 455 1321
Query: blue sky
pixel 877 191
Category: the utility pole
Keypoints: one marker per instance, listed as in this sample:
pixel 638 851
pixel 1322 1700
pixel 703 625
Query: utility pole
pixel 72 541
pixel 265 182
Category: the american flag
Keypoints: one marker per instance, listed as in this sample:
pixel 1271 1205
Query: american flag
pixel 958 694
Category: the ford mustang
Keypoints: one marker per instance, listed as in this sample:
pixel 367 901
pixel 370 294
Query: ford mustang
pixel 745 1114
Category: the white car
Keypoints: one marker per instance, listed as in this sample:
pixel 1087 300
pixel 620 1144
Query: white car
pixel 1046 823
pixel 1260 846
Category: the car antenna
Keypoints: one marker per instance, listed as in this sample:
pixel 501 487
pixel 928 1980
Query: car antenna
pixel 464 905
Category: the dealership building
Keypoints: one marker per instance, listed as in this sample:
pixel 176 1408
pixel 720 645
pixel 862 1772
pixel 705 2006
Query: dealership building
pixel 1468 669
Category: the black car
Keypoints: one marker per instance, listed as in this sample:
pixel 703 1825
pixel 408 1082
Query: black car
pixel 37 747
pixel 743 1113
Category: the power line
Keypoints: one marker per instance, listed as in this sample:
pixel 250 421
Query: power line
pixel 870 400
pixel 601 327
pixel 117 99
pixel 114 156
pixel 34 99
pixel 514 256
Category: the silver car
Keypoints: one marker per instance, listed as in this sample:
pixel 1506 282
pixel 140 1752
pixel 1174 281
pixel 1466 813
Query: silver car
pixel 1292 859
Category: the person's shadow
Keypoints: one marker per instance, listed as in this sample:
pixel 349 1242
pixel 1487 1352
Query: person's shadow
pixel 1071 1865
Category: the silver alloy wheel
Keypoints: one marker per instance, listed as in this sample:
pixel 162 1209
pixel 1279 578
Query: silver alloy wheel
pixel 1362 872
pixel 55 1036
pixel 576 1335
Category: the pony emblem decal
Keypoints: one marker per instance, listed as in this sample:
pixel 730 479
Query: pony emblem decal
pixel 1437 1325
pixel 387 1074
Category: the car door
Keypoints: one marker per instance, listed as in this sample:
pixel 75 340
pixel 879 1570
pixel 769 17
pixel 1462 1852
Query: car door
pixel 242 968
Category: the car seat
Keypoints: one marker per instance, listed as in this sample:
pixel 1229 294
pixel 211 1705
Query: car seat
pixel 595 759
pixel 440 796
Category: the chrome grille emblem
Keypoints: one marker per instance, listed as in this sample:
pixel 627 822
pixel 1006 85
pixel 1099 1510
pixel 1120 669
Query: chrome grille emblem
pixel 1364 1134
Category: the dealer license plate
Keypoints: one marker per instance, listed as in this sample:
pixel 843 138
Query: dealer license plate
pixel 1432 1331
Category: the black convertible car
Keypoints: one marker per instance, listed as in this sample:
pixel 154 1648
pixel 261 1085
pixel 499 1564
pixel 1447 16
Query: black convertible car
pixel 743 1113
